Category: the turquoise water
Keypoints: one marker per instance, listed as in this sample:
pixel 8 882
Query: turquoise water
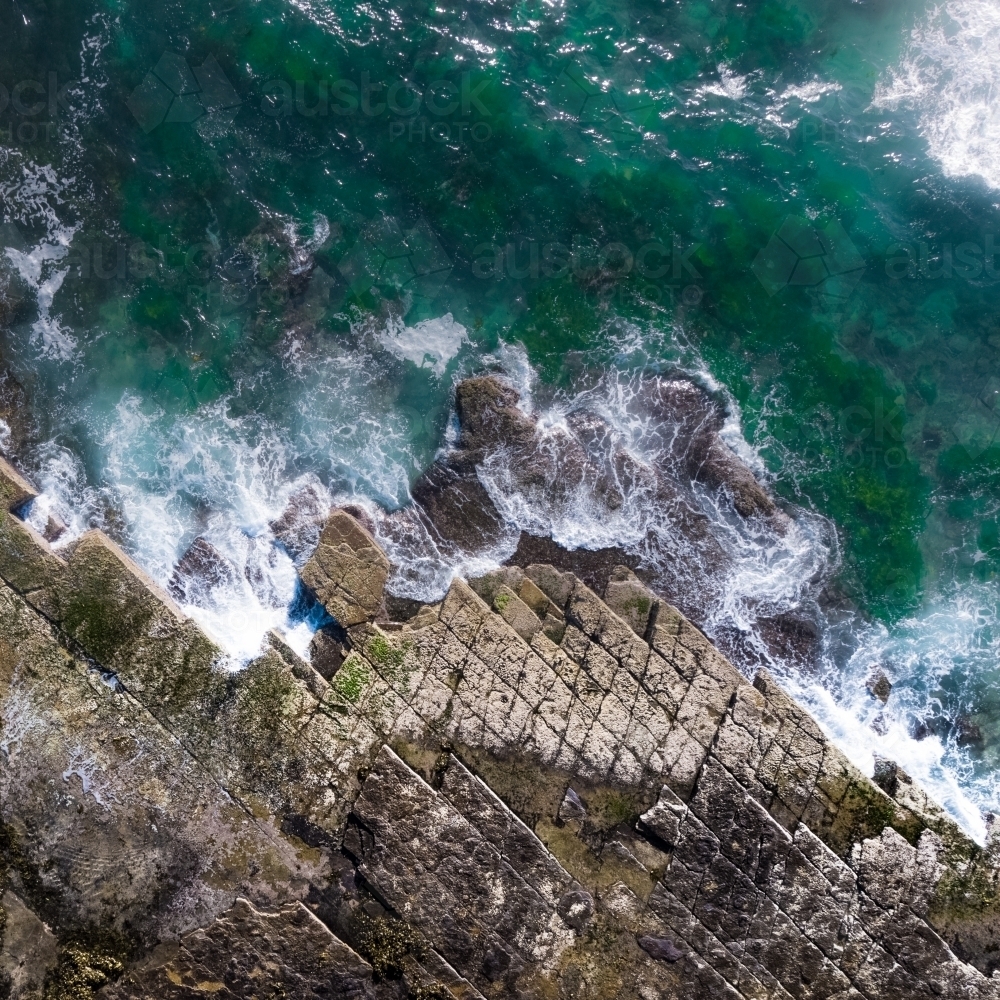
pixel 251 246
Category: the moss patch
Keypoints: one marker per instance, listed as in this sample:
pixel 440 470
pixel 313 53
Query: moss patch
pixel 389 658
pixel 433 991
pixel 83 970
pixel 351 679
pixel 386 942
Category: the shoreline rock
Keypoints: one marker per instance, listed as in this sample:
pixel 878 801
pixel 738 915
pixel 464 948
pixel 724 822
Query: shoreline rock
pixel 518 792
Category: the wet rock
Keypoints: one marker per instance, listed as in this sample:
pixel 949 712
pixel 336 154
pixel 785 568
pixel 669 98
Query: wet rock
pixel 298 529
pixel 54 528
pixel 15 414
pixel 879 686
pixel 793 636
pixel 967 731
pixel 200 570
pixel 401 609
pixel 687 411
pixel 489 417
pixel 457 507
pixel 886 775
pixel 360 515
pixel 347 572
pixel 328 649
pixel 593 566
pixel 662 949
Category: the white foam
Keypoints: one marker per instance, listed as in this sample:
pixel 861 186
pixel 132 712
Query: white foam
pixel 38 193
pixel 730 85
pixel 949 75
pixel 431 343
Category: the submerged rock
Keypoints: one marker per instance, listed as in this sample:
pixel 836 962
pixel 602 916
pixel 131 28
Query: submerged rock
pixel 300 524
pixel 879 686
pixel 594 566
pixel 200 570
pixel 694 421
pixel 579 474
pixel 15 414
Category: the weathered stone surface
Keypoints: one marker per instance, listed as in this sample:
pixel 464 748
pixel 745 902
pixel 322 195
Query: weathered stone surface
pixel 129 625
pixel 202 568
pixel 347 571
pixel 15 490
pixel 617 813
pixel 491 913
pixel 630 599
pixel 29 949
pixel 287 954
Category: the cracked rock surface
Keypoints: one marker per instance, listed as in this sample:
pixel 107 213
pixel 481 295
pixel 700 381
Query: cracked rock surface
pixel 525 791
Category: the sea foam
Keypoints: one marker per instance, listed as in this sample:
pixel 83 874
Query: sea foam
pixel 949 77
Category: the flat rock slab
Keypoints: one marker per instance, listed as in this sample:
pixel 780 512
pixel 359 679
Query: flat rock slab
pixel 288 954
pixel 348 571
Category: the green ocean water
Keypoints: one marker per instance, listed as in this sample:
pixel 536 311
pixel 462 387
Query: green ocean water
pixel 248 243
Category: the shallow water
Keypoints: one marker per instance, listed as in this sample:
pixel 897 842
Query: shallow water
pixel 250 247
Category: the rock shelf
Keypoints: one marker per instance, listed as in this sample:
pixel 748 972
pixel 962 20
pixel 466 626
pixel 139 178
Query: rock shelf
pixel 526 791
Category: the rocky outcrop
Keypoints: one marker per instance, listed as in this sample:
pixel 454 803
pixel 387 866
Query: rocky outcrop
pixel 348 571
pixel 524 791
pixel 660 477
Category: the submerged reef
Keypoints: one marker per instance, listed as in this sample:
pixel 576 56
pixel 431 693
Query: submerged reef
pixel 530 789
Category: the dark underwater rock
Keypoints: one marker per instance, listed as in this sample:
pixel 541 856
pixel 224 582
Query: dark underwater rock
pixel 594 566
pixel 15 414
pixel 879 686
pixel 201 569
pixel 302 520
